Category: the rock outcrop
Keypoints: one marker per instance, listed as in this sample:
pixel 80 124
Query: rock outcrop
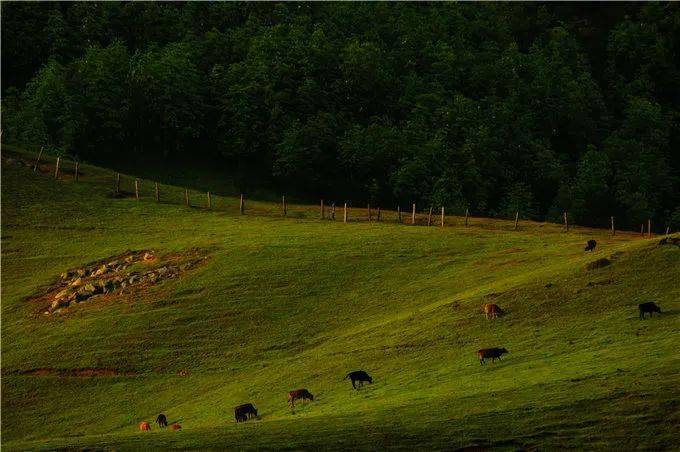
pixel 118 275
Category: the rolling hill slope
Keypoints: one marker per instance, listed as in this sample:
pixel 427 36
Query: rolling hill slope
pixel 282 303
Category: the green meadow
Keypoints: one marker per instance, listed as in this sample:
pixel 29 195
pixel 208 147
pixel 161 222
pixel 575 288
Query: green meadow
pixel 297 302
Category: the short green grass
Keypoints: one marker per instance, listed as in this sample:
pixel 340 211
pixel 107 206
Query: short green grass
pixel 298 302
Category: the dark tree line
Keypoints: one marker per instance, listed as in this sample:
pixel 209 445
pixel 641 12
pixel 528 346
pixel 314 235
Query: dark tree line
pixel 539 108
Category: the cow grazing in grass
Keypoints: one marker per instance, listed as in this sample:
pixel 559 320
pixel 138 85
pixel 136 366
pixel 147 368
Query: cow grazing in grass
pixel 176 426
pixel 144 426
pixel 648 307
pixel 360 376
pixel 244 412
pixel 590 245
pixel 299 394
pixel 493 353
pixel 492 310
pixel 161 420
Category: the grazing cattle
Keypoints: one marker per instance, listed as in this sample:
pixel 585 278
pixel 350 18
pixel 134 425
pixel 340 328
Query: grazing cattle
pixel 590 245
pixel 176 426
pixel 360 376
pixel 492 310
pixel 493 353
pixel 299 394
pixel 650 307
pixel 144 426
pixel 161 420
pixel 244 412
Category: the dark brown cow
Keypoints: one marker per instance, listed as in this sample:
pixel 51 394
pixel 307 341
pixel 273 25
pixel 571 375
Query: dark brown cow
pixel 492 310
pixel 244 412
pixel 299 394
pixel 648 307
pixel 493 353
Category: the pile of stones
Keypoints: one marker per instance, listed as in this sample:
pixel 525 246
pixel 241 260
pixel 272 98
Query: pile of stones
pixel 111 277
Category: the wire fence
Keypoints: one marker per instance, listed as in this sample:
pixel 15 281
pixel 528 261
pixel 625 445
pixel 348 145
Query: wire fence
pixel 125 186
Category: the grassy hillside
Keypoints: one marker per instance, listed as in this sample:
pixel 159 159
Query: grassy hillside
pixel 283 303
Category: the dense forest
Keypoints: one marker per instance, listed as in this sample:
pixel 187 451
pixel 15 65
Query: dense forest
pixel 494 107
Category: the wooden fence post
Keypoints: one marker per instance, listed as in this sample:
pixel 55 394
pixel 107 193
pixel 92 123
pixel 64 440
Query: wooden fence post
pixel 77 168
pixel 333 212
pixel 429 217
pixel 37 161
pixel 649 228
pixel 566 221
pixel 344 215
pixel 442 219
pixel 642 229
pixel 117 183
pixel 137 189
pixel 399 214
pixel 378 214
pixel 283 204
pixel 612 224
pixel 668 228
pixel 242 206
pixel 56 169
pixel 186 197
pixel 467 214
pixel 158 192
pixel 369 212
pixel 413 214
pixel 209 201
pixel 516 219
pixel 322 214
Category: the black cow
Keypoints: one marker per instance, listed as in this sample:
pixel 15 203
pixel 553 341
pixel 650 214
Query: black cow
pixel 650 307
pixel 493 353
pixel 360 376
pixel 590 245
pixel 161 420
pixel 244 412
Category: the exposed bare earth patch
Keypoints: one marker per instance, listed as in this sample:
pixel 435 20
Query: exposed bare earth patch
pixel 116 276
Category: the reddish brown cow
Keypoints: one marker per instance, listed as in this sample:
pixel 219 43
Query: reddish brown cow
pixel 176 426
pixel 492 310
pixel 299 394
pixel 145 426
pixel 493 353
